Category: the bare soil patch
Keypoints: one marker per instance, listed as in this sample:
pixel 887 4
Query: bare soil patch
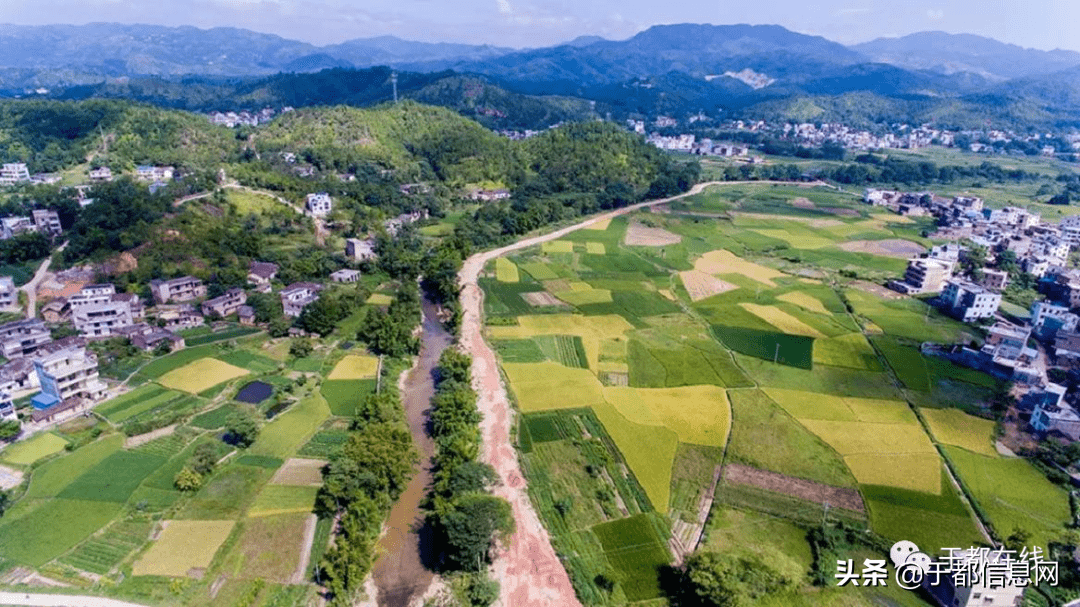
pixel 542 299
pixel 875 289
pixel 701 285
pixel 803 203
pixel 841 211
pixel 638 235
pixel 557 286
pixel 848 499
pixel 893 247
pixel 300 472
pixel 10 478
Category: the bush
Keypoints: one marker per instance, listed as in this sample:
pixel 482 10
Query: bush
pixel 241 430
pixel 187 480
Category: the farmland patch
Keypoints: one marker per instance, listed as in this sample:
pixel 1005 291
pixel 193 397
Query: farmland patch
pixel 201 375
pixel 182 547
pixel 636 549
pixel 700 285
pixel 638 235
pixel 726 262
pixel 954 427
pixel 355 366
pixel 893 247
pixel 505 270
pixel 303 472
pixel 39 446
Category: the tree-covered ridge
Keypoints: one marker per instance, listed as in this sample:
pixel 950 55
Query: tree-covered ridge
pixel 53 135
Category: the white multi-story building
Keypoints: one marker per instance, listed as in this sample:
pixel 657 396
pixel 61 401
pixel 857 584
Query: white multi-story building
pixel 67 369
pixel 947 593
pixel 185 288
pixel 297 296
pixel 9 295
pixel 47 223
pixel 13 226
pixel 923 276
pixel 14 172
pixel 319 204
pixel 226 304
pixel 7 404
pixel 100 174
pixel 23 337
pixel 99 311
pixel 969 301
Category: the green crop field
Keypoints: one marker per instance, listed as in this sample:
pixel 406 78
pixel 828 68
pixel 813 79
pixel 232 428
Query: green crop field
pixel 158 367
pixel 1013 494
pixel 227 495
pixel 764 436
pixel 114 479
pixel 102 552
pixel 39 446
pixel 792 350
pixel 649 452
pixel 283 499
pixel 216 418
pixel 132 408
pixel 324 443
pixel 49 479
pixel 343 395
pixel 290 430
pixel 249 360
pixel 130 399
pixel 932 521
pixel 567 350
pixel 539 270
pixel 636 548
pixel 231 333
pixel 52 528
pixel 850 350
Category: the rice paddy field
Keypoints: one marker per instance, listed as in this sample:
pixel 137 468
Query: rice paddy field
pixel 108 509
pixel 736 340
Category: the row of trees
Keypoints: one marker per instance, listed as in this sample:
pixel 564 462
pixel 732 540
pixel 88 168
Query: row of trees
pixel 466 520
pixel 360 485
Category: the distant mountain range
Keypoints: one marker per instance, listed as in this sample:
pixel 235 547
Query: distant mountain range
pixel 665 69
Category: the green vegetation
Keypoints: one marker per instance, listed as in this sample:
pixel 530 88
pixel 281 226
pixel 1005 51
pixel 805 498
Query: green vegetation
pixel 33 449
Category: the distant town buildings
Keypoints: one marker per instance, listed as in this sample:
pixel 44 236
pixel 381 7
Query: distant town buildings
pixel 14 172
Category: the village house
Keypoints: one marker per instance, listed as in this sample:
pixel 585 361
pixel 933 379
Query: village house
pixel 23 337
pixel 345 275
pixel 185 288
pixel 260 273
pixel 968 301
pixel 7 400
pixel 56 311
pixel 393 226
pixel 47 222
pixel 226 304
pixel 154 173
pixel 100 174
pixel 360 249
pixel 147 338
pixel 297 296
pixel 923 276
pixel 1052 414
pixel 14 172
pixel 319 205
pixel 66 370
pixel 11 227
pixel 246 315
pixel 489 195
pixel 995 280
pixel 178 318
pixel 946 592
pixel 20 372
pixel 9 295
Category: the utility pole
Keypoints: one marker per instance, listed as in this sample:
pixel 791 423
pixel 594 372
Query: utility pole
pixel 393 82
pixel 776 356
pixel 825 515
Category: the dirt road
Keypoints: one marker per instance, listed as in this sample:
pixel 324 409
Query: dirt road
pixel 31 287
pixel 60 600
pixel 530 573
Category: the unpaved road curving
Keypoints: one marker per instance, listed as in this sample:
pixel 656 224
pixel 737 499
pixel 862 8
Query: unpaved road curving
pixel 527 568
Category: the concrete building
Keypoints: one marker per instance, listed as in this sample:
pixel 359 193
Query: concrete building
pixel 185 288
pixel 226 304
pixel 47 222
pixel 1036 266
pixel 995 280
pixel 147 338
pixel 56 311
pixel 100 174
pixel 1063 288
pixel 923 276
pixel 968 301
pixel 7 403
pixel 23 337
pixel 360 250
pixel 246 315
pixel 181 317
pixel 260 273
pixel 947 593
pixel 319 204
pixel 346 276
pixel 11 227
pixel 297 296
pixel 66 369
pixel 9 295
pixel 14 172
pixel 103 319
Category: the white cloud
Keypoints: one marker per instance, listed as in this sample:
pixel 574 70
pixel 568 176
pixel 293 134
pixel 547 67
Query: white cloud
pixel 852 11
pixel 935 14
pixel 504 7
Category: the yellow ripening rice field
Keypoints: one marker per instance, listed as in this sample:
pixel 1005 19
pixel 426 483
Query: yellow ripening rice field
pixel 954 427
pixel 356 366
pixel 183 546
pixel 591 329
pixel 850 438
pixel 506 271
pixel 726 262
pixel 697 414
pixel 548 385
pixel 783 321
pixel 557 246
pixel 914 471
pixel 599 226
pixel 595 248
pixel 805 301
pixel 200 375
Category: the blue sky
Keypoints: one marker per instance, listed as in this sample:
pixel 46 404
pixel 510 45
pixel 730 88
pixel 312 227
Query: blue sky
pixel 1043 24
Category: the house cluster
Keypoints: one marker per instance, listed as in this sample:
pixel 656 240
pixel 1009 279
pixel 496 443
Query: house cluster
pixel 13 173
pixel 64 371
pixel 235 119
pixel 42 221
pixel 903 136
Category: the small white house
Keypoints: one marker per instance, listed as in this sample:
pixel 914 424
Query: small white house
pixel 319 204
pixel 346 276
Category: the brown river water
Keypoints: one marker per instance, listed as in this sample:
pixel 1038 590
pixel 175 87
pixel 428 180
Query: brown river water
pixel 399 574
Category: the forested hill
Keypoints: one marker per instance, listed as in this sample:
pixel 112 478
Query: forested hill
pixel 472 96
